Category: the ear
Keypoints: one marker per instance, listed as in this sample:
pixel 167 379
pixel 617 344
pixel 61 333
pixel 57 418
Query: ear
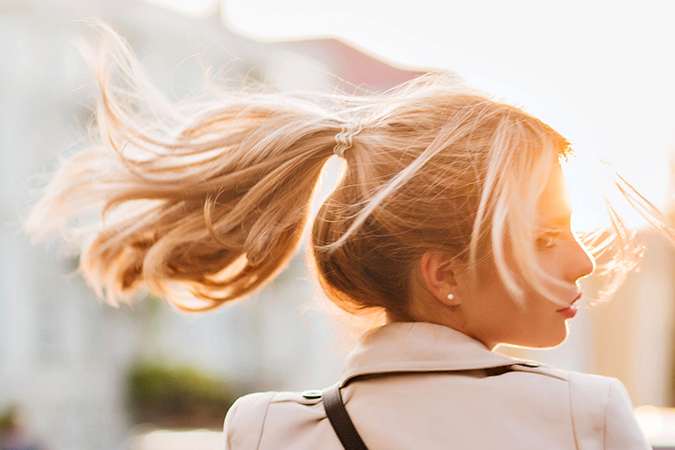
pixel 440 275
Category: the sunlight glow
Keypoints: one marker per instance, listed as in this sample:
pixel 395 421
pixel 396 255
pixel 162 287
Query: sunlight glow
pixel 192 8
pixel 588 206
pixel 598 72
pixel 657 424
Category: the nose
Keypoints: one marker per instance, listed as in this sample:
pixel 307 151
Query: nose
pixel 583 263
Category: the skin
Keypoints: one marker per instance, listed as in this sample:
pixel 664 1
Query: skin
pixel 485 310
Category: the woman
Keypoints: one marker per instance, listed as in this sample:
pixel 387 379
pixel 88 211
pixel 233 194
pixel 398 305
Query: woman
pixel 450 228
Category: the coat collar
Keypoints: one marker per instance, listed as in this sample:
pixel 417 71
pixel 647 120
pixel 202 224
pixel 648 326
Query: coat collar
pixel 420 347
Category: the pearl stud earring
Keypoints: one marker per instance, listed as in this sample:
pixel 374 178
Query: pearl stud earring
pixel 451 296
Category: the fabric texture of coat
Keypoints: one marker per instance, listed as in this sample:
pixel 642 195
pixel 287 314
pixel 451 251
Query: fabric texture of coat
pixel 424 386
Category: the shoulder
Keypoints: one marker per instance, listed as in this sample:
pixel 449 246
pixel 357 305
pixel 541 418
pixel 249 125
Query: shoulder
pixel 245 419
pixel 598 395
pixel 602 411
pixel 277 412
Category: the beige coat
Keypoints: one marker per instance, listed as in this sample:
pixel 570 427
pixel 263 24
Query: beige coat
pixel 423 386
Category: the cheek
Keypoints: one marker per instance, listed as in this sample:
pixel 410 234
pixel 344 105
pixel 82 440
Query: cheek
pixel 548 261
pixel 502 315
pixel 553 266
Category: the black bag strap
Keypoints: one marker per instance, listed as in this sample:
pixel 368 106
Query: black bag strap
pixel 339 419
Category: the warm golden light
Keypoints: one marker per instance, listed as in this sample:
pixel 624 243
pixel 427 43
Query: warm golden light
pixel 586 197
pixel 591 183
pixel 604 86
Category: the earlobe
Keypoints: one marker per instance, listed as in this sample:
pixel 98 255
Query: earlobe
pixel 440 278
pixel 452 300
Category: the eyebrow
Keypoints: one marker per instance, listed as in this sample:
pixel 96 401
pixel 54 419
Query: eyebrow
pixel 560 221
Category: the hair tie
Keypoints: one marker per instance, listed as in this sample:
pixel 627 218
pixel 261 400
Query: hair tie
pixel 343 140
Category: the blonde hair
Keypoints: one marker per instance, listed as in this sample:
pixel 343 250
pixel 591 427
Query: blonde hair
pixel 208 199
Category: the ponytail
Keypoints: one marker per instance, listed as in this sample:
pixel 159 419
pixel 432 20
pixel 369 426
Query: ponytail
pixel 212 211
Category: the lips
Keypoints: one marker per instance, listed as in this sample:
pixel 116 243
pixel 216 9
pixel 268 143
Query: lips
pixel 571 310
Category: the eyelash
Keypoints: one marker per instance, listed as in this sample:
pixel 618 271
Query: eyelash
pixel 547 240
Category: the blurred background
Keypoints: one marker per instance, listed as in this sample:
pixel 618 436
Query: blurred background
pixel 75 374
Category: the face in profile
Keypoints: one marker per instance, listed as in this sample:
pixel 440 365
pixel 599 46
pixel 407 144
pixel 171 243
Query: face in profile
pixel 490 315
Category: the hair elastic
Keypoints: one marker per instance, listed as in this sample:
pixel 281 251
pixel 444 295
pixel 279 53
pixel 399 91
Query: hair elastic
pixel 343 140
